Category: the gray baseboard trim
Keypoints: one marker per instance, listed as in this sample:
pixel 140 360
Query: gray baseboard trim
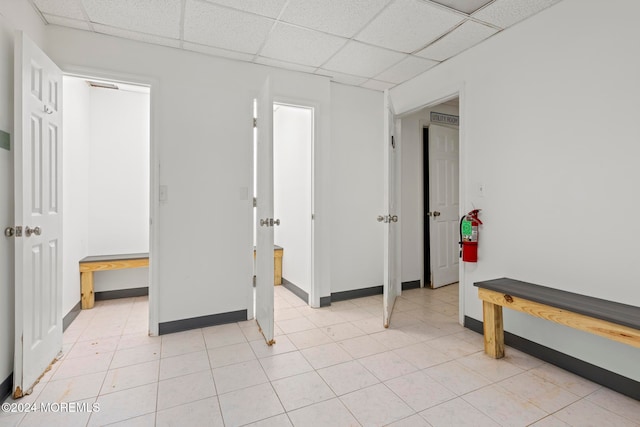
pixel 122 293
pixel 325 301
pixel 413 284
pixel 296 290
pixel 356 293
pixel 5 387
pixel 201 322
pixel 71 316
pixel 594 373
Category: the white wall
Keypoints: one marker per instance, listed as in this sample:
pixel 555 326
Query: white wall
pixel 413 221
pixel 357 188
pixel 76 99
pixel 14 15
pixel 560 171
pixel 292 145
pixel 202 109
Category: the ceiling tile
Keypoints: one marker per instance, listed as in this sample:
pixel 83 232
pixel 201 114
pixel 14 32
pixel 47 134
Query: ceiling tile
pixel 347 79
pixel 66 8
pixel 214 51
pixel 342 17
pixel 66 22
pixel 217 26
pixel 270 8
pixel 377 85
pixel 300 45
pixel 407 25
pixel 363 60
pixel 505 13
pixel 158 17
pixel 466 35
pixel 283 64
pixel 133 35
pixel 464 6
pixel 406 69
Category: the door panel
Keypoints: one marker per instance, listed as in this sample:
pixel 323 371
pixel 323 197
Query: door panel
pixel 391 167
pixel 443 204
pixel 264 232
pixel 38 272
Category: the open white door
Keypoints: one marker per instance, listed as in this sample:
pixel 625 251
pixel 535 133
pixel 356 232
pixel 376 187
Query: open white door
pixel 38 203
pixel 265 222
pixel 391 280
pixel 443 205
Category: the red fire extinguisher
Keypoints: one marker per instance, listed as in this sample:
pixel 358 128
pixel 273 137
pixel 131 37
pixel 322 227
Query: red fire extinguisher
pixel 469 236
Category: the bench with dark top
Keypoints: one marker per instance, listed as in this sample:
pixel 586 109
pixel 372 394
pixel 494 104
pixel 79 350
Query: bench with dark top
pixel 103 263
pixel 613 320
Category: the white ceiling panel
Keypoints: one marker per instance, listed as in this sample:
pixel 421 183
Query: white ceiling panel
pixel 216 26
pixel 158 17
pixel 468 34
pixel 406 69
pixel 505 13
pixel 347 79
pixel 66 8
pixel 67 22
pixel 378 85
pixel 270 8
pixel 341 17
pixel 363 60
pixel 284 64
pixel 224 53
pixel 465 6
pixel 133 35
pixel 300 45
pixel 408 25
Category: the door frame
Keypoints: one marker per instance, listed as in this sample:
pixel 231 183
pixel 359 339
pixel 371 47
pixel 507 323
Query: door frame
pixel 447 94
pixel 154 173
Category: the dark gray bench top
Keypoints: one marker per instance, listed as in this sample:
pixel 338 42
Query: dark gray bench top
pixel 114 257
pixel 615 312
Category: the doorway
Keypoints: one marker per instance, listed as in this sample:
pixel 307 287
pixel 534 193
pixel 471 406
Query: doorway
pixel 106 183
pixel 293 137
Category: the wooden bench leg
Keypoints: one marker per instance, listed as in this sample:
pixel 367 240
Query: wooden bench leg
pixel 277 269
pixel 86 289
pixel 493 330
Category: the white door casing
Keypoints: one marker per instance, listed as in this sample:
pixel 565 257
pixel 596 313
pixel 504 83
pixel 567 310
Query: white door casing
pixel 391 168
pixel 444 205
pixel 38 203
pixel 264 209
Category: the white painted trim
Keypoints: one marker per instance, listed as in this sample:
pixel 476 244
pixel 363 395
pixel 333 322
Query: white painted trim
pixel 154 172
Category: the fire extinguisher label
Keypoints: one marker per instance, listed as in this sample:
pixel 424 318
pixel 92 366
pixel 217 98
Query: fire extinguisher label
pixel 467 230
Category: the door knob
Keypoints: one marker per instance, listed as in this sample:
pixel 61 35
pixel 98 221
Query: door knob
pixel 380 218
pixel 29 231
pixel 9 231
pixel 436 213
pixel 276 222
pixel 394 218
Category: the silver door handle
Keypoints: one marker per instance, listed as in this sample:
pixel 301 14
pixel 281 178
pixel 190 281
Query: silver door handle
pixel 384 218
pixel 264 222
pixel 29 231
pixel 394 218
pixel 275 222
pixel 436 213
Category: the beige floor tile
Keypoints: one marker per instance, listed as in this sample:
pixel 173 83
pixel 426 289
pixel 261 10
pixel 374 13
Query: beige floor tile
pixel 459 413
pixel 302 390
pixel 205 412
pixel 376 405
pixel 250 405
pixel 182 390
pixel 237 376
pixel 420 391
pixel 329 413
pixel 504 407
pixel 583 413
pixel 325 355
pixel 285 365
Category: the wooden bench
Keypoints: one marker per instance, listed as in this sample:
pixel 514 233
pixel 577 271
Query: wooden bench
pixel 277 264
pixel 103 263
pixel 616 321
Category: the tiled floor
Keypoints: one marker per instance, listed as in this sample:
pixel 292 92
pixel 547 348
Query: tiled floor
pixel 335 366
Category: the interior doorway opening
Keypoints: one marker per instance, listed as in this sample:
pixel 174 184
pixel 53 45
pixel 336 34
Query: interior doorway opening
pixel 106 184
pixel 293 136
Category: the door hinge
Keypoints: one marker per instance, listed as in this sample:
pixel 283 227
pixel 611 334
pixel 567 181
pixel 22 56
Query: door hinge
pixel 313 217
pixel 255 202
pixel 255 122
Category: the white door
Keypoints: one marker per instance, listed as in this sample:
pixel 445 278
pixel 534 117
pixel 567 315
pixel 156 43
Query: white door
pixel 264 208
pixel 444 208
pixel 38 202
pixel 391 279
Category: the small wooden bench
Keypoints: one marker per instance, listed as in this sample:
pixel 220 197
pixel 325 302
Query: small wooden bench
pixel 616 321
pixel 103 263
pixel 277 264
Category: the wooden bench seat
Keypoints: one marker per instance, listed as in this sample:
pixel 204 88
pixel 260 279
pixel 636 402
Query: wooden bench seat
pixel 103 263
pixel 616 321
pixel 277 264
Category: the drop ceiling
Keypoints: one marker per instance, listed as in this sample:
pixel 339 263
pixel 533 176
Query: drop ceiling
pixel 375 44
